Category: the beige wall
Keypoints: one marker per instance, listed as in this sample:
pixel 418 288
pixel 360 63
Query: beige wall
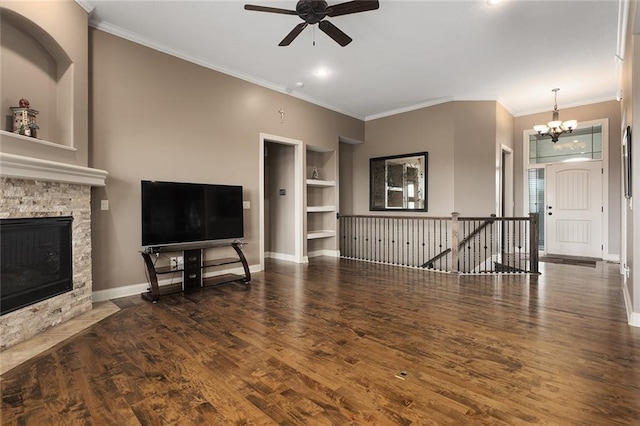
pixel 54 38
pixel 428 129
pixel 345 185
pixel 158 117
pixel 504 138
pixel 475 158
pixel 461 139
pixel 610 110
pixel 28 70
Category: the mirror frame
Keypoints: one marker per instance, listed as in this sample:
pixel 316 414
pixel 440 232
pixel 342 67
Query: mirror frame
pixel 378 181
pixel 626 161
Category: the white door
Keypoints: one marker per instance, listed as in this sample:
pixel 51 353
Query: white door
pixel 574 209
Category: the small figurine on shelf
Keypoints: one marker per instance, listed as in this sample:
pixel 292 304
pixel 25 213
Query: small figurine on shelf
pixel 314 173
pixel 34 129
pixel 24 119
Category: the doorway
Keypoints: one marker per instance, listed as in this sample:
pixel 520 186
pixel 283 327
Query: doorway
pixel 579 164
pixel 573 193
pixel 281 186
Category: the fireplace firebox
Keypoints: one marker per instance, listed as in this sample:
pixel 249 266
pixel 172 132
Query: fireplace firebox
pixel 35 260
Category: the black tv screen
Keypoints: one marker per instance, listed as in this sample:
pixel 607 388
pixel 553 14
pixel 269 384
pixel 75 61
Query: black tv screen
pixel 174 213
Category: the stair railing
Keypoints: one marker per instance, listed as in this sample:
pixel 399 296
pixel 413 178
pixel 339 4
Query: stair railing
pixel 448 244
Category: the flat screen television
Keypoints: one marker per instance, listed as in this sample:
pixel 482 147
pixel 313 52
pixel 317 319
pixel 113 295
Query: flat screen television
pixel 180 213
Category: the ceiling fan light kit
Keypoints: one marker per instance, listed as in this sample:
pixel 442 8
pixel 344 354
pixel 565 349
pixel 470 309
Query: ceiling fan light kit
pixel 314 12
pixel 555 127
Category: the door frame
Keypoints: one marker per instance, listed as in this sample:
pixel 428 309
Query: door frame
pixel 504 183
pixel 298 146
pixel 604 122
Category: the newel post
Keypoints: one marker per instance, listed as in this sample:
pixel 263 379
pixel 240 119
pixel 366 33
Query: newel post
pixel 455 242
pixel 533 243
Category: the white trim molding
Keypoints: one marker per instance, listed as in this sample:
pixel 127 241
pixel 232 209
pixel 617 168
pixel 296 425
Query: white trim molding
pixel 329 253
pixel 282 256
pixel 298 177
pixel 17 166
pixel 604 122
pixel 633 317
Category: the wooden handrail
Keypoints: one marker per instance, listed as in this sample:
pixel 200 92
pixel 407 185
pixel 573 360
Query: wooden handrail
pixel 476 231
pixel 429 263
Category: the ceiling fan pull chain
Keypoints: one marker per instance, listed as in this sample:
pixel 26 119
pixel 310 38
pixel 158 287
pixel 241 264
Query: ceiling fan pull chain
pixel 314 35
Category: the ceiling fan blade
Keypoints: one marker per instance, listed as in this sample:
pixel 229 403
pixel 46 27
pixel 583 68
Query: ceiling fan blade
pixel 352 7
pixel 269 9
pixel 293 34
pixel 335 33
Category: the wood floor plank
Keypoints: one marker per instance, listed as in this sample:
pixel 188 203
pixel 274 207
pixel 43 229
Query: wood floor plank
pixel 322 343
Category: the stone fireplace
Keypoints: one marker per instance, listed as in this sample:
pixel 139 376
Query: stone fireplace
pixel 24 193
pixel 46 60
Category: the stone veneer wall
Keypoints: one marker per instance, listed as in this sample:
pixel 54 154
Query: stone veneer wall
pixel 27 198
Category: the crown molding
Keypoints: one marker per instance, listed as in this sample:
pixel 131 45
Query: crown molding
pixel 86 6
pixel 136 38
pixel 565 106
pixel 408 108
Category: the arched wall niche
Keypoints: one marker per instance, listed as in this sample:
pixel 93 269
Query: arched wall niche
pixel 36 67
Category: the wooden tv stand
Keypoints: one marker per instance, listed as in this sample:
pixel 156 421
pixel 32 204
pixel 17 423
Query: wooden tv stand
pixel 194 264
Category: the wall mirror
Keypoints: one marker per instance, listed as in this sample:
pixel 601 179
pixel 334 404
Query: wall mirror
pixel 398 182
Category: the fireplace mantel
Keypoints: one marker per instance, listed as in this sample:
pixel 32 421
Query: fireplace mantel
pixel 17 166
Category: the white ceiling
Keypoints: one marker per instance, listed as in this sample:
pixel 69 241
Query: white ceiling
pixel 404 55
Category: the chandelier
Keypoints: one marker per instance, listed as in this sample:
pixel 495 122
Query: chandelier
pixel 555 127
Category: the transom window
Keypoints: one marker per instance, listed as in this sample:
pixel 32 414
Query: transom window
pixel 582 144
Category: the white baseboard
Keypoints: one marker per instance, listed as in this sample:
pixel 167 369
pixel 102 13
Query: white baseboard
pixel 130 290
pixel 330 253
pixel 285 257
pixel 634 320
pixel 115 293
pixel 615 258
pixel 633 317
pixel 279 256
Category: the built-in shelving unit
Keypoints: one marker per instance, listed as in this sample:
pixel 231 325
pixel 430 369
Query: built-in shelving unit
pixel 321 183
pixel 321 201
pixel 325 233
pixel 321 209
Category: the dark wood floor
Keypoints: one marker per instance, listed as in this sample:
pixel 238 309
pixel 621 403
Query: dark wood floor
pixel 322 344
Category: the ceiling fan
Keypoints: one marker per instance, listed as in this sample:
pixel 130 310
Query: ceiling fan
pixel 314 12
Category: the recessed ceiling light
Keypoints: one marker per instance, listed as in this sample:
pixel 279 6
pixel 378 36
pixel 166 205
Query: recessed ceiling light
pixel 322 72
pixel 299 85
pixel 494 2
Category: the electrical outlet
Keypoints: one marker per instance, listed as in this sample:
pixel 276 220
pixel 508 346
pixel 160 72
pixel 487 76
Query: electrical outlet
pixel 173 262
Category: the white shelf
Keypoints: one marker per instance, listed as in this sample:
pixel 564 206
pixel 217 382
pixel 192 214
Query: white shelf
pixel 15 136
pixel 318 182
pixel 320 234
pixel 320 209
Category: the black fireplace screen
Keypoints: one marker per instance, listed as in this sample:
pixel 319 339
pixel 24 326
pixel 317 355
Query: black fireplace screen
pixel 35 260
